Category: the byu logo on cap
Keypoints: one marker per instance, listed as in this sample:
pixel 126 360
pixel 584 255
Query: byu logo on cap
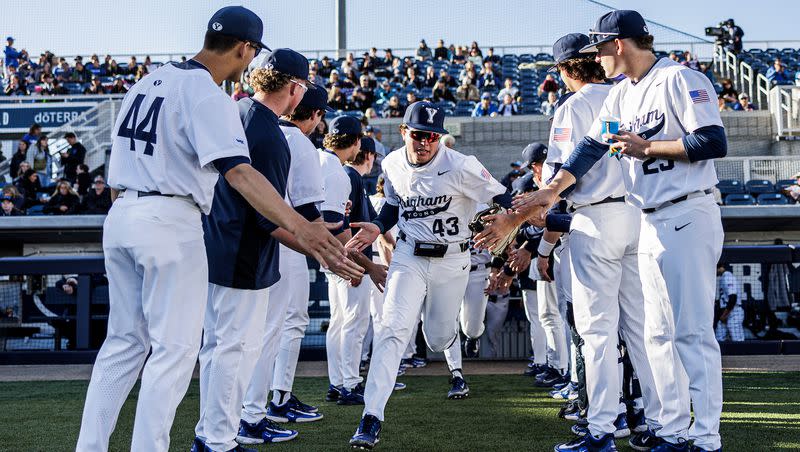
pixel 216 26
pixel 645 29
pixel 431 113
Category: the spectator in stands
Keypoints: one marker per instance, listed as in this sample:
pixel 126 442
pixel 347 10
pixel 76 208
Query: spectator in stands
pixel 411 97
pixel 360 100
pixel 133 65
pixel 318 135
pixel 490 56
pixel 148 64
pixel 508 88
pixel 17 199
pixel 549 106
pixel 8 208
pixel 313 76
pixel 549 85
pixel 16 86
pixel 448 79
pixel 42 160
pixel 333 80
pixel 777 74
pixel 441 52
pixel 95 87
pixel 793 191
pixel 430 77
pixel 744 103
pixel 468 72
pixel 239 92
pixel 441 92
pixel 485 107
pixel 723 106
pixel 98 200
pixel 326 68
pixel 78 73
pixel 72 157
pixel 47 85
pixel 467 90
pixel 474 46
pixel 23 166
pixel 458 56
pixel 20 155
pixel 706 69
pixel 508 107
pixel 411 79
pixel 394 109
pixel 351 78
pixel 368 64
pixel 337 99
pixel 486 79
pixel 63 72
pixel 734 36
pixel 690 61
pixel 11 54
pixel 64 200
pixel 370 113
pixel 29 187
pixel 375 133
pixel 674 57
pixel 384 92
pixel 119 86
pixel 423 51
pixel 475 57
pixel 365 83
pixel 728 92
pixel 34 131
pixel 93 66
pixel 141 71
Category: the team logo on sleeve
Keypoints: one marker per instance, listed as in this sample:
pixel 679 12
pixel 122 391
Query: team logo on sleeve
pixel 411 206
pixel 699 96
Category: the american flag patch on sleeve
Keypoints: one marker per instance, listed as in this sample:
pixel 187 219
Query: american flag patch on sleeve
pixel 699 96
pixel 562 133
pixel 485 174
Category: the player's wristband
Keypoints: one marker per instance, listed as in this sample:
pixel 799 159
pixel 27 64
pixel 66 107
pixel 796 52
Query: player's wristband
pixel 507 271
pixel 545 248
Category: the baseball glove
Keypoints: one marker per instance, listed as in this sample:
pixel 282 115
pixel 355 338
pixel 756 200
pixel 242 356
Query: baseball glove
pixel 478 224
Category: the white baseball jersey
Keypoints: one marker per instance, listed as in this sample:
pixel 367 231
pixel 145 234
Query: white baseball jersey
pixel 437 200
pixel 668 103
pixel 571 122
pixel 727 285
pixel 335 183
pixel 304 183
pixel 172 125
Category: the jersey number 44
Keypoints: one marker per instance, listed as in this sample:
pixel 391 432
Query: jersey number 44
pixel 144 130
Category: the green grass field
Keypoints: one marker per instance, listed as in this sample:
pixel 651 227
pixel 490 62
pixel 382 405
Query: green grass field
pixel 762 412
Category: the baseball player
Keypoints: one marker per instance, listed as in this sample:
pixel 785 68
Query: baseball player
pixel 670 134
pixel 732 314
pixel 243 263
pixel 431 192
pixel 306 180
pixel 176 134
pixel 349 300
pixel 303 192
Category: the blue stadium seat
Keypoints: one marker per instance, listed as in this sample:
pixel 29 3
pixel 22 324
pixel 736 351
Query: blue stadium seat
pixel 758 186
pixel 729 187
pixel 772 199
pixel 739 200
pixel 782 184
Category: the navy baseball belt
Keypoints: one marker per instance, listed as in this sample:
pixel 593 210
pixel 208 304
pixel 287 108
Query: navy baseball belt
pixel 573 208
pixel 672 202
pixel 144 194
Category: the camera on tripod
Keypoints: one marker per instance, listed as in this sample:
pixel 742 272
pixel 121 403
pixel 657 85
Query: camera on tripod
pixel 720 32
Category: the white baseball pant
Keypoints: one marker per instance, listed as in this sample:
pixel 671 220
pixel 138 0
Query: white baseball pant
pixel 496 313
pixel 472 315
pixel 606 299
pixel 157 271
pixel 538 336
pixel 254 406
pixel 679 248
pixel 433 286
pixel 732 327
pixel 294 327
pixel 346 330
pixel 553 324
pixel 232 335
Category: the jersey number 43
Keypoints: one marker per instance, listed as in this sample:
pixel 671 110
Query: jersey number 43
pixel 131 128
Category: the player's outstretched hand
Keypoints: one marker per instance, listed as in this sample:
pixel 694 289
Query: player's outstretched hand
pixel 543 265
pixel 628 143
pixel 364 238
pixel 498 227
pixel 377 273
pixel 329 252
pixel 519 260
pixel 534 206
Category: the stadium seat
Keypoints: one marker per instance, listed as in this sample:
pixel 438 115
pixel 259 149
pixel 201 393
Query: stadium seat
pixel 739 200
pixel 758 186
pixel 772 199
pixel 729 187
pixel 784 184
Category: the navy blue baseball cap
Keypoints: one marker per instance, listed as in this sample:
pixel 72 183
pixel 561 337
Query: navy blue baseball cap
pixel 344 125
pixel 425 116
pixel 619 24
pixel 569 47
pixel 368 145
pixel 523 185
pixel 9 38
pixel 534 153
pixel 239 22
pixel 374 129
pixel 289 62
pixel 316 97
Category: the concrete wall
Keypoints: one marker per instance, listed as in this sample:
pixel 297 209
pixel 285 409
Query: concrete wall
pixel 499 141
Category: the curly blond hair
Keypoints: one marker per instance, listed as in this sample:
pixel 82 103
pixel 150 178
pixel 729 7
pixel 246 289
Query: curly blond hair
pixel 268 80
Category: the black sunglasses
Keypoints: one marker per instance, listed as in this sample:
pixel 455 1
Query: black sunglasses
pixel 422 136
pixel 256 46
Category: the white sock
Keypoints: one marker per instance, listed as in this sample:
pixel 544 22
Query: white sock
pixel 457 373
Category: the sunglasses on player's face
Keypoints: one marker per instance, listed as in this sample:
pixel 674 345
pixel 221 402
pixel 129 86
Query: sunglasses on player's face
pixel 424 137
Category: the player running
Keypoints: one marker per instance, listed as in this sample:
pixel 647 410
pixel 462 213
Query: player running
pixel 432 192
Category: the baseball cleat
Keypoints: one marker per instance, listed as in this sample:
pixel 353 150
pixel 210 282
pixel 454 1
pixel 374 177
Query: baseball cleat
pixel 401 371
pixel 471 347
pixel 588 443
pixel 534 370
pixel 563 393
pixel 264 431
pixel 550 378
pixel 414 362
pixel 334 392
pixel 459 389
pixel 571 411
pixel 638 421
pixel 399 386
pixel 199 446
pixel 353 396
pixel 644 441
pixel 665 446
pixel 368 433
pixel 285 413
pixel 295 403
pixel 621 426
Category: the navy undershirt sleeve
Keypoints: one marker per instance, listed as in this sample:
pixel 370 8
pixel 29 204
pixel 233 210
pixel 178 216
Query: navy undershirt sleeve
pixel 335 217
pixel 503 200
pixel 558 222
pixel 706 143
pixel 308 211
pixel 387 218
pixel 225 164
pixel 585 155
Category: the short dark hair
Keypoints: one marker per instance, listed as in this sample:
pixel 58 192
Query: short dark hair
pixel 218 42
pixel 644 42
pixel 302 113
pixel 342 141
pixel 361 157
pixel 585 70
pixel 35 126
pixel 69 135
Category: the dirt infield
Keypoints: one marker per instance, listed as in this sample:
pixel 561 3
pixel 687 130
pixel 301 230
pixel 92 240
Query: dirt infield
pixel 755 363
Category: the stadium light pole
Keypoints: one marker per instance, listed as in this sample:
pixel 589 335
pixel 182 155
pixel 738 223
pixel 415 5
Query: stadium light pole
pixel 341 28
